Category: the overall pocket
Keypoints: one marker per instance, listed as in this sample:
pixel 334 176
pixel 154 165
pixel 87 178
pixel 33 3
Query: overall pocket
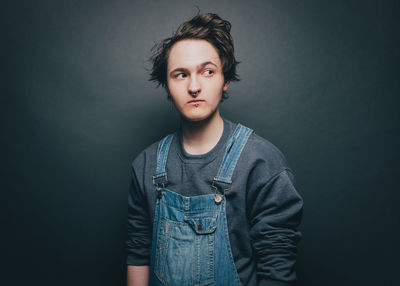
pixel 185 251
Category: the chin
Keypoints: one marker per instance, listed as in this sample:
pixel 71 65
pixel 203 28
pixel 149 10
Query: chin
pixel 197 117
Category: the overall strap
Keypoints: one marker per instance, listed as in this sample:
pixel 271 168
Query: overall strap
pixel 233 150
pixel 160 178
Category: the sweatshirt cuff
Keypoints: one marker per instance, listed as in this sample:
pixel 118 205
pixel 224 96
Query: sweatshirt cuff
pixel 269 282
pixel 136 261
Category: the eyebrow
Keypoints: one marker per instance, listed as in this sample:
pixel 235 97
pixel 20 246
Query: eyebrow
pixel 198 66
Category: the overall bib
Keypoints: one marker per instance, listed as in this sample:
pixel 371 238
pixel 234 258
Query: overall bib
pixel 190 242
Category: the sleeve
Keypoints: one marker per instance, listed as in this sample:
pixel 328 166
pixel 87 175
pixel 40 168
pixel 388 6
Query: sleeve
pixel 275 214
pixel 138 242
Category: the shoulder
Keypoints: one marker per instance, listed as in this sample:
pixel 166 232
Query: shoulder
pixel 147 156
pixel 262 155
pixel 145 153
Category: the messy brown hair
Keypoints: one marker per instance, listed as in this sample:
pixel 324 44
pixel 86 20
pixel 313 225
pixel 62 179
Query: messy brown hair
pixel 207 26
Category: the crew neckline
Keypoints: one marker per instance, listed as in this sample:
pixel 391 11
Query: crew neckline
pixel 210 155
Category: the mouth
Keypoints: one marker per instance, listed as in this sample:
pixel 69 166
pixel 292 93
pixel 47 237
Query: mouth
pixel 196 101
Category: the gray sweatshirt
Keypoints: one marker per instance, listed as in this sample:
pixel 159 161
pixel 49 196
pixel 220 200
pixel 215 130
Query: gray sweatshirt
pixel 263 207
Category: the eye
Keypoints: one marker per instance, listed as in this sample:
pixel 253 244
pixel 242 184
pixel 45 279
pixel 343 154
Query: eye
pixel 208 72
pixel 180 75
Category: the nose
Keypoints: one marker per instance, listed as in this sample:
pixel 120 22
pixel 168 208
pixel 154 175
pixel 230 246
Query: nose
pixel 194 87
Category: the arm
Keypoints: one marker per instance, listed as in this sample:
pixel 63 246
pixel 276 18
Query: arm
pixel 274 217
pixel 138 241
pixel 137 275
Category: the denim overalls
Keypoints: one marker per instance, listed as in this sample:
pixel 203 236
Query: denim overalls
pixel 190 243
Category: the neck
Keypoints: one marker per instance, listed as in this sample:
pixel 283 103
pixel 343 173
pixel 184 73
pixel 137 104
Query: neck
pixel 199 137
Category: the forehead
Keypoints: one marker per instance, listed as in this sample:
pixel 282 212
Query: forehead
pixel 191 52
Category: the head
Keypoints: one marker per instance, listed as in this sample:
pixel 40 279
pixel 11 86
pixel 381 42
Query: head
pixel 207 27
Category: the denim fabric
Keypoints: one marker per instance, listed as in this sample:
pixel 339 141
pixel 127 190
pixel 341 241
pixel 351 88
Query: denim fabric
pixel 190 243
pixel 263 207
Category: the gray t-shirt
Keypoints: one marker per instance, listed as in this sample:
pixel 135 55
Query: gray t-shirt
pixel 263 207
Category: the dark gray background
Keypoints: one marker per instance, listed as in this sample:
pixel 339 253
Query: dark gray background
pixel 319 80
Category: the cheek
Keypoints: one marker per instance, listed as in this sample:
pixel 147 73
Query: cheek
pixel 175 85
pixel 217 89
pixel 176 93
pixel 170 85
pixel 173 89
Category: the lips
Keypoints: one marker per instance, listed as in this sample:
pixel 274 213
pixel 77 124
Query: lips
pixel 195 101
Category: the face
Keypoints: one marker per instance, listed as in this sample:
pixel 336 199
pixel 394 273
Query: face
pixel 195 78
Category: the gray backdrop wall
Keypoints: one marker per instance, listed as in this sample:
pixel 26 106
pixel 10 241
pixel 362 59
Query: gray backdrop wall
pixel 319 80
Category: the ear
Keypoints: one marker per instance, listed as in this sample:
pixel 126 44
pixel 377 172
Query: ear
pixel 225 88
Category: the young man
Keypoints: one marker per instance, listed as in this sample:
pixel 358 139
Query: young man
pixel 213 203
